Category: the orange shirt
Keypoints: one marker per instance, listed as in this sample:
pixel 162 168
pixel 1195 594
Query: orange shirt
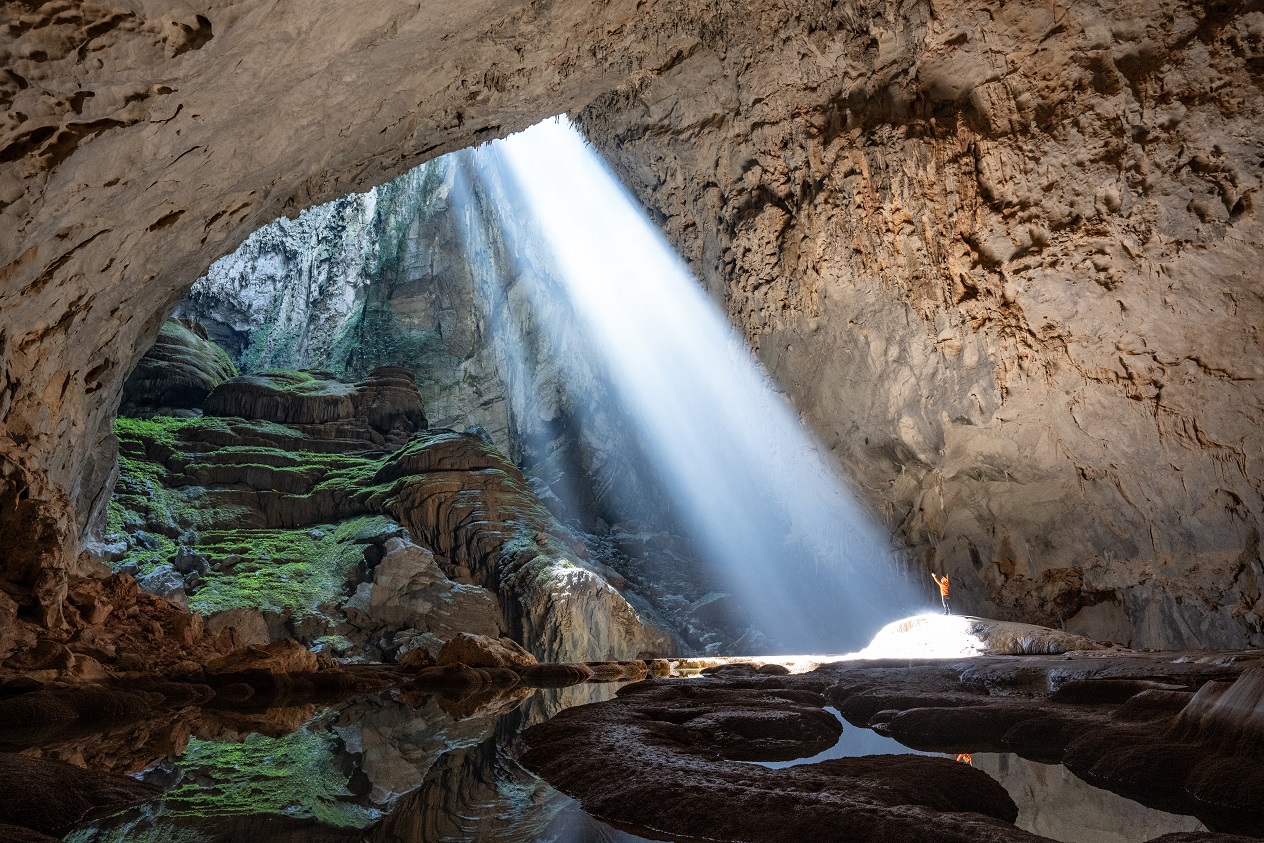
pixel 943 585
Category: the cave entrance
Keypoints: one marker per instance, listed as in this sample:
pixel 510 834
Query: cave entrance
pixel 556 340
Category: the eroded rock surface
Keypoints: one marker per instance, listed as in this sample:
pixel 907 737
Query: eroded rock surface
pixel 1172 732
pixel 1003 257
pixel 662 756
pixel 178 371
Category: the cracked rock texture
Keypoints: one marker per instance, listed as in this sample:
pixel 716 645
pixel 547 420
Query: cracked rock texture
pixel 1002 255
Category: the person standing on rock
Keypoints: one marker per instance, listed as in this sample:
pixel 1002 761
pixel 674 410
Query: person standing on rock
pixel 943 591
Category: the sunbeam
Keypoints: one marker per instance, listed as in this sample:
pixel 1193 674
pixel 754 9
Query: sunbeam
pixel 781 530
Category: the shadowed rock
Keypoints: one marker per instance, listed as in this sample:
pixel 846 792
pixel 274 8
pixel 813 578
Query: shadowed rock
pixel 51 797
pixel 659 756
pixel 178 371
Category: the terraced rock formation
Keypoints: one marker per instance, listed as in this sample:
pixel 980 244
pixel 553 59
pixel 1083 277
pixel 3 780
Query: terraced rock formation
pixel 330 511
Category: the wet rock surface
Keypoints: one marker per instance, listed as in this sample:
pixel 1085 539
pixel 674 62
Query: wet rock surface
pixel 661 756
pixel 51 797
pixel 1147 727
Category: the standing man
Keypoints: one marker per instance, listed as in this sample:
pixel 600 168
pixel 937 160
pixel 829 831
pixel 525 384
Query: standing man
pixel 943 591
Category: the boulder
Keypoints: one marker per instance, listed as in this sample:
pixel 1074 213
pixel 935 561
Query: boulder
pixel 251 628
pixel 178 371
pixel 417 658
pixel 165 581
pixel 954 636
pixel 278 658
pixel 482 651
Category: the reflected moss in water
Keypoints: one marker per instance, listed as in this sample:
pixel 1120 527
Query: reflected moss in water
pixel 297 775
pixel 130 833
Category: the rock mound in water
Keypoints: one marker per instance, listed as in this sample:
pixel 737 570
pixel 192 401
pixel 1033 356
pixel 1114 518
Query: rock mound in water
pixel 665 754
pixel 954 636
pixel 387 400
pixel 51 796
pixel 482 651
pixel 178 372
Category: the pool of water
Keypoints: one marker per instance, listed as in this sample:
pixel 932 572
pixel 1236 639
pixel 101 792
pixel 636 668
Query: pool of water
pixel 1052 801
pixel 398 768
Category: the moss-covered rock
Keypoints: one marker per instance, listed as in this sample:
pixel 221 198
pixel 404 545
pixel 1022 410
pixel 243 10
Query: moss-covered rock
pixel 327 508
pixel 178 372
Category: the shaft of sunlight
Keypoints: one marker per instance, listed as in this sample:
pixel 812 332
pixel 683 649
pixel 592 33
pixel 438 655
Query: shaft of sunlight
pixel 807 563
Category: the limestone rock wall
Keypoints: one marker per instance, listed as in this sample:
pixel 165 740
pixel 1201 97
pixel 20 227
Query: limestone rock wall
pixel 142 141
pixel 369 279
pixel 1005 258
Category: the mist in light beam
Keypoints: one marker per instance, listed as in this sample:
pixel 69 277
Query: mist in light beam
pixel 763 506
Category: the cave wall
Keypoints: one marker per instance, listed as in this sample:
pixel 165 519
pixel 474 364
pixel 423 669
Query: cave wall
pixel 1002 255
pixel 1005 259
pixel 373 279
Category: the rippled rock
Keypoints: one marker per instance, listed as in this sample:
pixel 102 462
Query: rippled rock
pixel 386 400
pixel 178 372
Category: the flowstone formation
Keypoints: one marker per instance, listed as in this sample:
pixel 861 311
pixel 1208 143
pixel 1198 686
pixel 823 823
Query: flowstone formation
pixel 298 506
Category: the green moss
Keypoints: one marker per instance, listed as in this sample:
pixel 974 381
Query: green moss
pixel 139 830
pixel 283 570
pixel 296 775
pixel 160 430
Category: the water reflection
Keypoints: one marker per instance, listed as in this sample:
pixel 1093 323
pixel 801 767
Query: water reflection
pixel 404 769
pixel 1052 801
pixel 388 768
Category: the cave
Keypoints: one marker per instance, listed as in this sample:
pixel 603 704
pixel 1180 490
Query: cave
pixel 543 421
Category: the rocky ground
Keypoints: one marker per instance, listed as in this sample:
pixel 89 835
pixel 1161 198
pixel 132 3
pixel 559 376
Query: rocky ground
pixel 1180 732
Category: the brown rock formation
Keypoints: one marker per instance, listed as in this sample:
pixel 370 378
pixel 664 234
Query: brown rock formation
pixel 51 797
pixel 178 371
pixel 481 651
pixel 661 754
